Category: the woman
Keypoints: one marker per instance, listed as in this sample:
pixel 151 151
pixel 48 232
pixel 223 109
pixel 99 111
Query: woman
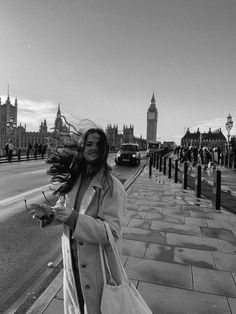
pixel 89 195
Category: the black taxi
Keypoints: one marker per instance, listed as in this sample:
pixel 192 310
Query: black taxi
pixel 128 154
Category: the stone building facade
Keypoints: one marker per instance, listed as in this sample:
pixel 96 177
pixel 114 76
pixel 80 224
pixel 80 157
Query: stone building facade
pixel 10 131
pixel 207 139
pixel 116 138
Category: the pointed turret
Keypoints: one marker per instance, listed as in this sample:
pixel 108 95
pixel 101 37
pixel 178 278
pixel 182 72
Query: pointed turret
pixel 8 95
pixel 58 122
pixel 153 100
pixel 58 110
pixel 153 103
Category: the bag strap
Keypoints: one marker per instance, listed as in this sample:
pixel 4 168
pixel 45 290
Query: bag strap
pixel 104 262
pixel 115 251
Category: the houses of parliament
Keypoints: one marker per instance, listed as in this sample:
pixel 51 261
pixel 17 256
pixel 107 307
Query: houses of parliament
pixel 20 137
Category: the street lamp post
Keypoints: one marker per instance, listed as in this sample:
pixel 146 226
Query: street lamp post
pixel 228 126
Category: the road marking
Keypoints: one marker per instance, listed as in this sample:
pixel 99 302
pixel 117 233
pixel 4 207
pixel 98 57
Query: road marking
pixel 37 171
pixel 22 195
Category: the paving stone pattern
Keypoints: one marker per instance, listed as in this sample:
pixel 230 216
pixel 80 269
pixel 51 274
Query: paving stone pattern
pixel 181 252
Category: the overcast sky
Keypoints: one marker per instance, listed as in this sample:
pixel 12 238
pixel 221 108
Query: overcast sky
pixel 102 60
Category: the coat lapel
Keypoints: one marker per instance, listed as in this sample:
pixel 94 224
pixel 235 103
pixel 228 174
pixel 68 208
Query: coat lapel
pixel 71 199
pixel 90 192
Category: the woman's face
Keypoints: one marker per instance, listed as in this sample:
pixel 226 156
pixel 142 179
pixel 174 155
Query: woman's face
pixel 91 147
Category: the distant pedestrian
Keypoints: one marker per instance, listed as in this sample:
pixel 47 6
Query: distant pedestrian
pixel 36 146
pixel 215 155
pixel 40 148
pixel 195 156
pixel 10 151
pixel 6 149
pixel 206 158
pixel 44 150
pixel 30 148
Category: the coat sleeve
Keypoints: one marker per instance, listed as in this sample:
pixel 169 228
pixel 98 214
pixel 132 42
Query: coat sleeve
pixel 111 210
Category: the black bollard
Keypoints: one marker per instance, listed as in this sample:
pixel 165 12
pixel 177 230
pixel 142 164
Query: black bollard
pixel 176 171
pixel 19 154
pixel 164 166
pixel 217 189
pixel 185 176
pixel 157 162
pixel 154 160
pixel 160 164
pixel 27 154
pixel 169 168
pixel 198 181
pixel 150 166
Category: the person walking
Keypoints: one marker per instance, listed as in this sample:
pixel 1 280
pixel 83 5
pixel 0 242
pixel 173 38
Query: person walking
pixel 36 146
pixel 29 148
pixel 6 149
pixel 89 195
pixel 206 158
pixel 10 150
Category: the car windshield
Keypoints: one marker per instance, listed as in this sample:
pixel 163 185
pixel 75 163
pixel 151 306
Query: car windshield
pixel 132 148
pixel 153 146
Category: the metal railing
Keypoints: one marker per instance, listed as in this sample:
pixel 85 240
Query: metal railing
pixel 23 154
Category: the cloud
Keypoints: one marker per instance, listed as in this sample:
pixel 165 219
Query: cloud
pixel 31 113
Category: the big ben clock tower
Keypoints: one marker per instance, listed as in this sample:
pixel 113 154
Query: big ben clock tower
pixel 152 117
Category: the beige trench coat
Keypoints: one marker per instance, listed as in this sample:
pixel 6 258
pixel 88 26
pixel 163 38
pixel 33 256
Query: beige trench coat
pixel 97 205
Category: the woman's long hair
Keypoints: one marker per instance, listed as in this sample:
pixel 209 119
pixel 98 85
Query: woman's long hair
pixel 68 163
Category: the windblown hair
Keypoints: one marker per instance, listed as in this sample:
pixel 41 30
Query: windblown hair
pixel 68 163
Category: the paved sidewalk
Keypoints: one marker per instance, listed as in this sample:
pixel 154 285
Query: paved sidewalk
pixel 177 249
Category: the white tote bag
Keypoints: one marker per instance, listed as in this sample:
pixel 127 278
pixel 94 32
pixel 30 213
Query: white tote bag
pixel 123 298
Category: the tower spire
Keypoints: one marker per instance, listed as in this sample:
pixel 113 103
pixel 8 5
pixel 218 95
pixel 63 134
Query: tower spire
pixel 59 109
pixel 153 100
pixel 8 94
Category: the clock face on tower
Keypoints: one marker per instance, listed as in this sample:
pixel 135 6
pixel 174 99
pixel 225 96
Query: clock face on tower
pixel 151 115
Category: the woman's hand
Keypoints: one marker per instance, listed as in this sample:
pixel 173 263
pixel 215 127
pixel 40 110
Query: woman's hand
pixel 62 213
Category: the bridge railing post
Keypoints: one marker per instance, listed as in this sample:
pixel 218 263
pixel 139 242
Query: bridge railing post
pixel 154 160
pixel 217 189
pixel 164 166
pixel 185 176
pixel 160 163
pixel 176 171
pixel 157 162
pixel 169 168
pixel 198 181
pixel 150 166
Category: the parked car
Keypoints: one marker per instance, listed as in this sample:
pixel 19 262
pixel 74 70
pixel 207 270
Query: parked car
pixel 128 154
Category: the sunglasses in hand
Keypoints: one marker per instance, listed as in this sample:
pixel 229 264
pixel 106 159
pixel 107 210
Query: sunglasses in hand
pixel 42 212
